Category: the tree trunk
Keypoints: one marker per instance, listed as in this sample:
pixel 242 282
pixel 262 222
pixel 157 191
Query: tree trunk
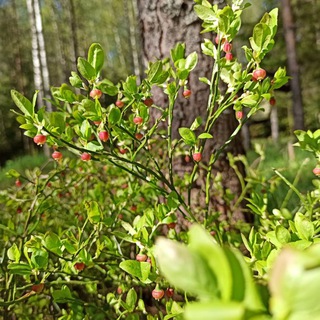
pixel 293 66
pixel 39 56
pixel 164 23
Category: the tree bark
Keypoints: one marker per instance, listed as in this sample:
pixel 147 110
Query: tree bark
pixel 293 66
pixel 164 23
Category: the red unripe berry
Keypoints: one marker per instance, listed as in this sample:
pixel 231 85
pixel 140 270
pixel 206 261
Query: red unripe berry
pixel 18 183
pixel 97 122
pixel 316 171
pixel 123 151
pixel 187 158
pixel 19 210
pixel 272 101
pixel 139 135
pixel 85 156
pixel 169 292
pixel 56 155
pixel 138 120
pixel 157 294
pixel 103 136
pixel 186 93
pixel 171 225
pixel 229 56
pixel 119 103
pixel 133 208
pixel 148 102
pixel 217 40
pixel 141 257
pixel 197 156
pixel 95 93
pixel 37 287
pixel 227 47
pixel 79 266
pixel 259 74
pixel 239 114
pixel 40 139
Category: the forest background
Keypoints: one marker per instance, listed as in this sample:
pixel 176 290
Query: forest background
pixel 69 27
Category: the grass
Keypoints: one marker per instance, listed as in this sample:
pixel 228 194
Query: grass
pixel 20 164
pixel 293 163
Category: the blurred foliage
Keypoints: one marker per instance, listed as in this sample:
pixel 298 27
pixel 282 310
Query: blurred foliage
pixel 69 32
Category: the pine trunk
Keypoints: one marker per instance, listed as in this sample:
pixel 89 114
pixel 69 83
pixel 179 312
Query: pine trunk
pixel 164 23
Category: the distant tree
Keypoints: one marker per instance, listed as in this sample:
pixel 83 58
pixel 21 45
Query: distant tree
pixel 163 24
pixel 293 65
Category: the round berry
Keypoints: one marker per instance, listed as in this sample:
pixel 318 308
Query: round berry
pixel 19 210
pixel 119 103
pixel 157 294
pixel 141 257
pixel 169 292
pixel 148 102
pixel 239 114
pixel 37 287
pixel 97 122
pixel 259 74
pixel 217 40
pixel 18 183
pixel 56 155
pixel 272 101
pixel 139 135
pixel 123 151
pixel 171 225
pixel 40 139
pixel 95 94
pixel 138 120
pixel 186 93
pixel 103 136
pixel 197 156
pixel 85 156
pixel 229 56
pixel 79 266
pixel 316 171
pixel 227 47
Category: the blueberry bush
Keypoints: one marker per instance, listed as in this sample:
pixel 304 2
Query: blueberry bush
pixel 110 230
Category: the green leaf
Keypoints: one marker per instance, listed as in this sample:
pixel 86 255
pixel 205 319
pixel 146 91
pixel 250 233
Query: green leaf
pixel 131 299
pixel 282 234
pixel 178 52
pixel 214 310
pixel 86 130
pixel 197 278
pixel 75 80
pixel 304 226
pixel 107 87
pixel 96 57
pixel 205 135
pixel 137 269
pixel 205 13
pixel 196 123
pixel 188 136
pixel 131 85
pixel 86 69
pixel 13 173
pixel 22 103
pixel 93 211
pixel 63 295
pixel 53 243
pixel 191 61
pixel 22 269
pixel 13 253
pixel 39 258
pixel 114 116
